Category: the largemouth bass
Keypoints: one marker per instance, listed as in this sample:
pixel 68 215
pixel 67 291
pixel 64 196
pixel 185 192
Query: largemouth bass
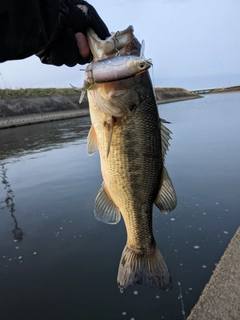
pixel 132 142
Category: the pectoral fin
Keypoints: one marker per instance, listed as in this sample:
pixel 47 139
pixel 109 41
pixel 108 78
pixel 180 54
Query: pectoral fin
pixel 166 199
pixel 92 142
pixel 110 135
pixel 105 209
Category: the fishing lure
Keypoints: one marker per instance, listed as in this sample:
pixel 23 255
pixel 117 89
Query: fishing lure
pixel 113 69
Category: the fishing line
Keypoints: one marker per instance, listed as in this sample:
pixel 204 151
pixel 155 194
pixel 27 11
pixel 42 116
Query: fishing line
pixel 153 80
pixel 153 83
pixel 180 296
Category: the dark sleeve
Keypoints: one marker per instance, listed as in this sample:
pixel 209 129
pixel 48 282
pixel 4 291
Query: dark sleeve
pixel 28 26
pixel 46 28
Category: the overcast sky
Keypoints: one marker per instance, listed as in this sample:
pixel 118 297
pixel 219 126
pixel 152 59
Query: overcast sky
pixel 187 40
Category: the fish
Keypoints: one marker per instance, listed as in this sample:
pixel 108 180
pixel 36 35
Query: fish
pixel 132 142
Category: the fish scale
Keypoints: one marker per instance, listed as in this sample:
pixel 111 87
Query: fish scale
pixel 132 165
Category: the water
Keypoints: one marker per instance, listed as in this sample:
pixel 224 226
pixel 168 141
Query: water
pixel 66 264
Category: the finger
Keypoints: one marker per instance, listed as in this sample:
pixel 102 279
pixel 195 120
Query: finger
pixel 82 44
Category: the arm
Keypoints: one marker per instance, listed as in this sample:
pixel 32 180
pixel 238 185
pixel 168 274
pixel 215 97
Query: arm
pixel 48 28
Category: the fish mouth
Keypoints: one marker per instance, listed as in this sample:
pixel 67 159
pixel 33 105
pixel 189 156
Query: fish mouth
pixel 113 96
pixel 119 43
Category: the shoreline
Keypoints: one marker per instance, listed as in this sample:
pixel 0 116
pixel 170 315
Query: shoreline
pixel 15 112
pixel 164 101
pixel 31 106
pixel 17 121
pixel 28 119
pixel 220 297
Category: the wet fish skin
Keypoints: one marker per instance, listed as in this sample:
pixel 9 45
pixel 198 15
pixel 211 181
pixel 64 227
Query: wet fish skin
pixel 133 173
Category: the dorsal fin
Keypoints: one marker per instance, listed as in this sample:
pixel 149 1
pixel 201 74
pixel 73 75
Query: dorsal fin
pixel 165 137
pixel 142 49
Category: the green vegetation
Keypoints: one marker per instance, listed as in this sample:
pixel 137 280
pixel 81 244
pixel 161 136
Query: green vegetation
pixel 163 93
pixel 228 89
pixel 169 89
pixel 48 92
pixel 175 92
pixel 38 92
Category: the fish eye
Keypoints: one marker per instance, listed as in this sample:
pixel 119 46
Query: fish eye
pixel 142 65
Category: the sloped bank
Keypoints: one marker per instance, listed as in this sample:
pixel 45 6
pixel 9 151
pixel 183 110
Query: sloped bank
pixel 23 111
pixel 24 107
pixel 167 95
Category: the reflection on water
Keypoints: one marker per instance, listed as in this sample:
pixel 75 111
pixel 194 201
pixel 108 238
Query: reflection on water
pixel 9 203
pixel 42 137
pixel 67 261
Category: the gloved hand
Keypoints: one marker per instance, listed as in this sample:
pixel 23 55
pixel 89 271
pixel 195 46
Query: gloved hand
pixel 80 19
pixel 70 47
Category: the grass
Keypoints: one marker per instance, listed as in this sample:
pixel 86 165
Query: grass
pixel 34 93
pixel 48 92
pixel 173 90
pixel 228 89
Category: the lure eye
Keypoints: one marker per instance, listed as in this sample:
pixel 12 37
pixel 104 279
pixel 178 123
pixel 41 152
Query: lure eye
pixel 142 65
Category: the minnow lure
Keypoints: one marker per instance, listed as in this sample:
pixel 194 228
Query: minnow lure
pixel 113 69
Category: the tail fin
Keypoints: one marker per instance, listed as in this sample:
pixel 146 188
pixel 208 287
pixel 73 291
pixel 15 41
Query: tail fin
pixel 149 269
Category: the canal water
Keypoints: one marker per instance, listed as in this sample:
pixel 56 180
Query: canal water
pixel 58 262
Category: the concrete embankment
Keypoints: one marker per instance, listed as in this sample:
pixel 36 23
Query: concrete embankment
pixel 24 111
pixel 220 299
pixel 43 117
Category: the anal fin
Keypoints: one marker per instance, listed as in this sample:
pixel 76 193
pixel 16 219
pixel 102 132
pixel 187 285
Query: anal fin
pixel 105 209
pixel 166 199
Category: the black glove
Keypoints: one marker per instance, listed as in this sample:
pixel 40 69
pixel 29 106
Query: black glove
pixel 63 49
pixel 79 21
